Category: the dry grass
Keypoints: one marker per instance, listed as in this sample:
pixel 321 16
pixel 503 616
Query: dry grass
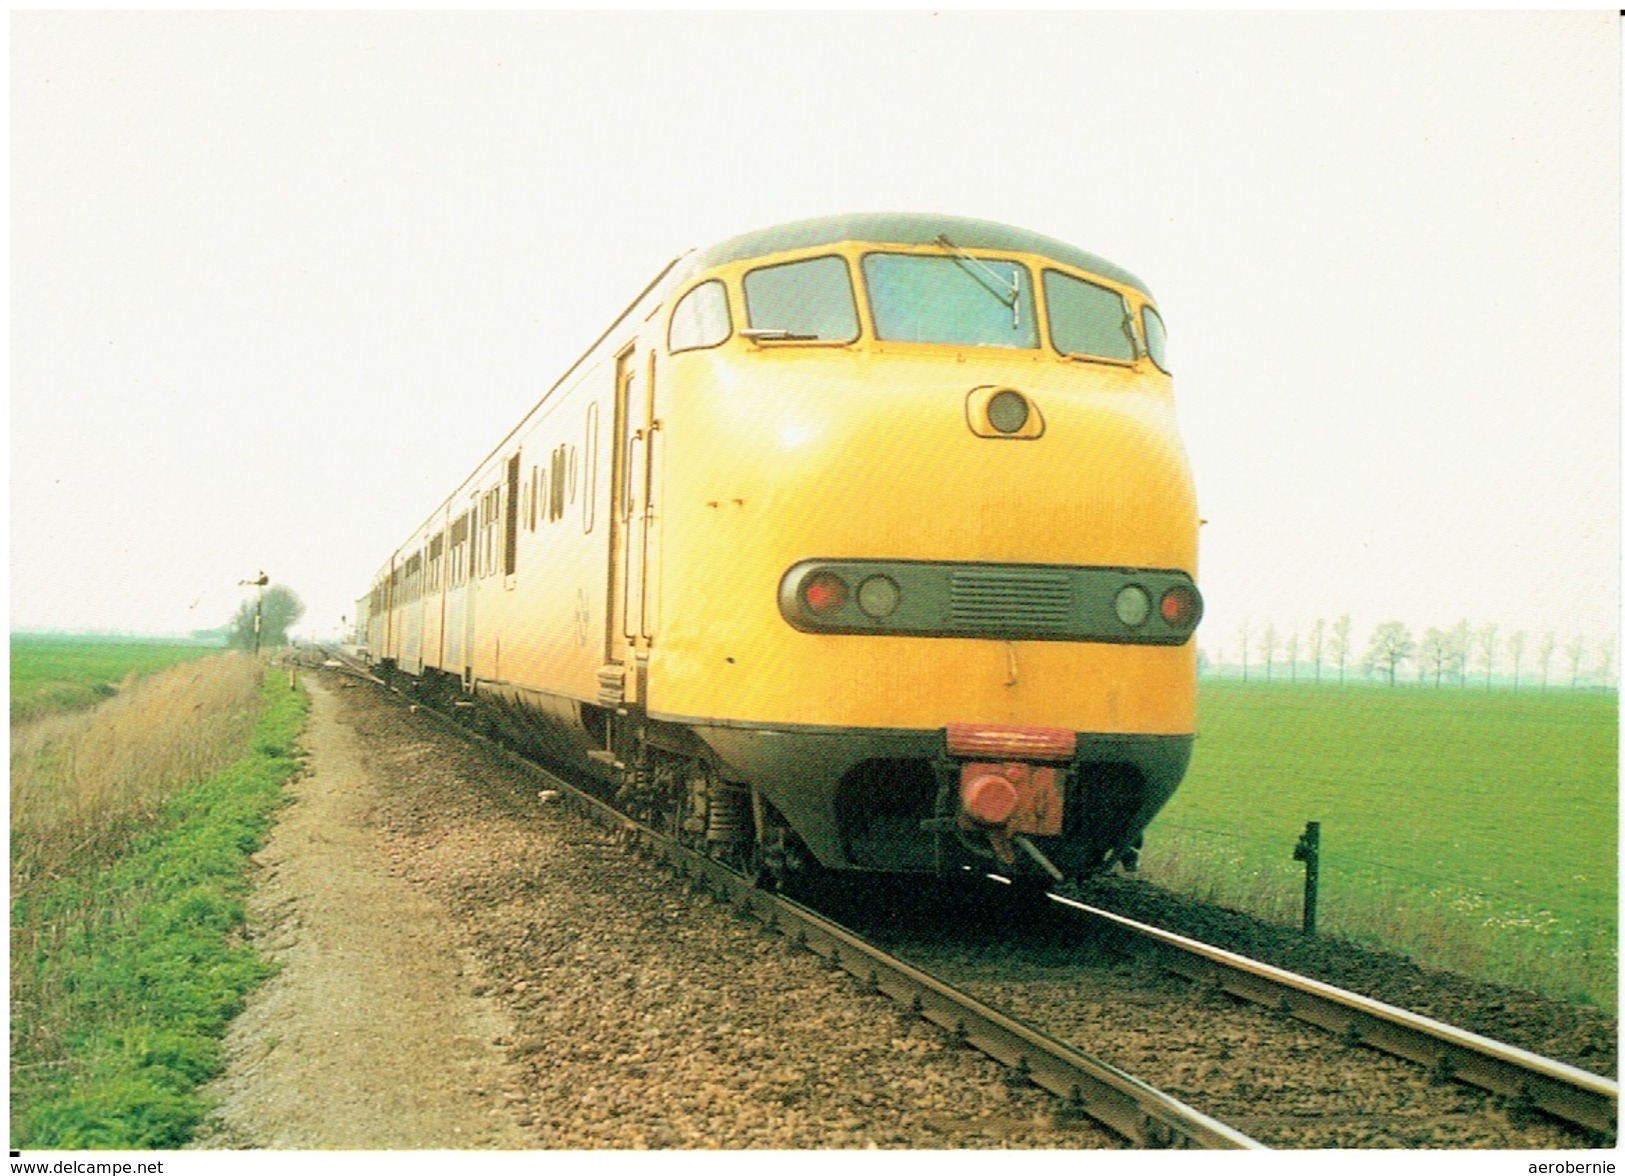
pixel 83 783
pixel 132 829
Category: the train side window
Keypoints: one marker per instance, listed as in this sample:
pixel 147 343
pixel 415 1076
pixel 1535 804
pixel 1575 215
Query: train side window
pixel 555 509
pixel 510 520
pixel 809 299
pixel 701 319
pixel 490 517
pixel 414 577
pixel 437 548
pixel 1156 337
pixel 1086 319
pixel 459 550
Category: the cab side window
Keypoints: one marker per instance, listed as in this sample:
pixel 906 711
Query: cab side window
pixel 1156 337
pixel 700 320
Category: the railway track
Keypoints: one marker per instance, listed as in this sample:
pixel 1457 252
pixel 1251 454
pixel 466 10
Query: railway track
pixel 1527 1080
pixel 1090 1086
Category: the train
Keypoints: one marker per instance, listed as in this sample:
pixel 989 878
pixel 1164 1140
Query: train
pixel 862 543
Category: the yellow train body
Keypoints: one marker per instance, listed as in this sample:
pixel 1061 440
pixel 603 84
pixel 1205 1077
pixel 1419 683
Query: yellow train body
pixel 865 487
pixel 630 578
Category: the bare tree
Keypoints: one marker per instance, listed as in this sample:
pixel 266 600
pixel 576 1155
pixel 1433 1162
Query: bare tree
pixel 1460 645
pixel 1548 643
pixel 1266 646
pixel 1292 655
pixel 1391 645
pixel 1317 645
pixel 1433 655
pixel 1515 645
pixel 1340 644
pixel 1605 662
pixel 1486 646
pixel 1246 644
pixel 1576 650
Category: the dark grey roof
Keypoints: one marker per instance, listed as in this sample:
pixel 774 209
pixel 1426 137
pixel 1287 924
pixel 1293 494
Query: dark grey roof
pixel 901 228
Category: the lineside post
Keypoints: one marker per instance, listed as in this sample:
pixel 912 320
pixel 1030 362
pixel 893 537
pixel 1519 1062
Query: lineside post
pixel 1308 852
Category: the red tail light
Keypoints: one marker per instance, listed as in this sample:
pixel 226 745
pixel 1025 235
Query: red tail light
pixel 1180 606
pixel 824 593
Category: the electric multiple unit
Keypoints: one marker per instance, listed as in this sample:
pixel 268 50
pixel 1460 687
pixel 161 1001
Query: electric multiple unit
pixel 865 541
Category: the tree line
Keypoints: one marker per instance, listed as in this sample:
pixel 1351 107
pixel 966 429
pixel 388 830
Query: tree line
pixel 1457 656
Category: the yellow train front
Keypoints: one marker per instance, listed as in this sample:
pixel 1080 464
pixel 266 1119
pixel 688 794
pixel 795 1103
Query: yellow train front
pixel 867 541
pixel 926 579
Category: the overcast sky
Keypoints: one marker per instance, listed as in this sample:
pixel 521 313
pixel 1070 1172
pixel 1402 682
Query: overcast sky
pixel 279 280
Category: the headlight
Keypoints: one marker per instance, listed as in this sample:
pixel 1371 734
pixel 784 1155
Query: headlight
pixel 1007 411
pixel 878 596
pixel 1133 605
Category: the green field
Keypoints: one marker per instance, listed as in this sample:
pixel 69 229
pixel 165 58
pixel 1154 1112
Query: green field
pixel 51 673
pixel 1475 829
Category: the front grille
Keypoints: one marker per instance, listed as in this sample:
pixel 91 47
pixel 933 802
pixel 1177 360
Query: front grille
pixel 1009 599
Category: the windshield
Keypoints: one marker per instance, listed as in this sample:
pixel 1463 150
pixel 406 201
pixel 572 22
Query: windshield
pixel 802 300
pixel 956 300
pixel 1086 319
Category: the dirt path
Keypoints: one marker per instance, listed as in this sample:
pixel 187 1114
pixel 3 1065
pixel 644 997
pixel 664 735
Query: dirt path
pixel 468 965
pixel 371 1035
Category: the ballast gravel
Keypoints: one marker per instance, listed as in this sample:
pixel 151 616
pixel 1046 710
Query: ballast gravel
pixel 639 1014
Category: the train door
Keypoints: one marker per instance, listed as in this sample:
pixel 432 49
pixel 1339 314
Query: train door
pixel 456 593
pixel 438 584
pixel 624 561
pixel 390 627
pixel 629 626
pixel 649 585
pixel 471 590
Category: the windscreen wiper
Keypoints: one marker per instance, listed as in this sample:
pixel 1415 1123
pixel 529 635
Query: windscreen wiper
pixel 1008 293
pixel 757 333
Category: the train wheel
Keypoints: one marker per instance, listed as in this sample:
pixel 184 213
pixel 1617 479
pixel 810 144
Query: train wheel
pixel 763 874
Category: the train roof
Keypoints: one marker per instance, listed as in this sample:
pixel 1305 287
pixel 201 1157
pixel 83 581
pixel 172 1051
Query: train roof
pixel 902 228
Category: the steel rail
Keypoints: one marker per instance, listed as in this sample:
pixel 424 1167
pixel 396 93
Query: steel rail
pixel 1563 1091
pixel 1090 1087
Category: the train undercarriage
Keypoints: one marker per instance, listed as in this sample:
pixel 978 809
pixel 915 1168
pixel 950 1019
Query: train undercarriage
pixel 782 803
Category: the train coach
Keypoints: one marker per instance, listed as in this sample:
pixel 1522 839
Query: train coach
pixel 860 543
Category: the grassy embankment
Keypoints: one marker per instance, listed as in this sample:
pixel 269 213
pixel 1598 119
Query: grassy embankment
pixel 52 673
pixel 1475 830
pixel 131 826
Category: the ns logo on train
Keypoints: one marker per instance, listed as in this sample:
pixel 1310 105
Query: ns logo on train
pixel 860 543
